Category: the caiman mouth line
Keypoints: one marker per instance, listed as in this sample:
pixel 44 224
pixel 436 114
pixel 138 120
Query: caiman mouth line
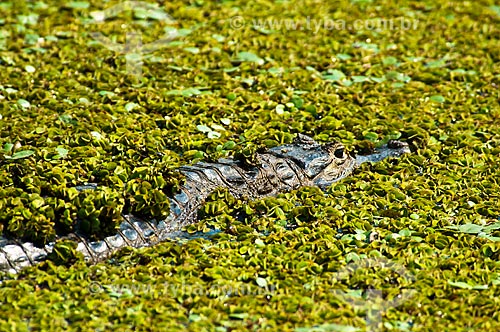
pixel 393 148
pixel 301 163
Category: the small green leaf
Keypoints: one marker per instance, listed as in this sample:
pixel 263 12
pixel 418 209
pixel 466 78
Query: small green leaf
pixel 378 79
pixel 261 282
pixel 458 71
pixel 130 106
pixel 436 63
pixel 97 135
pixel 106 93
pixel 186 92
pixel 37 203
pixel 20 154
pixel 397 76
pixel 249 57
pixel 230 69
pixel 30 19
pixel 66 118
pixel 180 69
pixel 467 228
pixel 459 284
pixel 217 127
pixel 229 145
pixel 262 30
pixel 334 75
pixel 10 90
pixel 352 257
pixel 492 227
pixel 389 61
pixel 360 79
pixel 194 50
pixel 204 128
pixel 77 4
pixel 242 315
pixel 437 99
pixel 150 12
pixel 8 147
pixel 30 69
pixel 194 317
pixel 397 85
pixel 259 243
pixel 495 9
pixel 40 130
pixel 405 232
pixel 198 155
pixel 23 103
pixel 464 285
pixel 342 56
pixel 371 136
pixel 297 102
pixel 61 152
pixel 218 37
pixel 366 46
pixel 280 109
pixel 213 134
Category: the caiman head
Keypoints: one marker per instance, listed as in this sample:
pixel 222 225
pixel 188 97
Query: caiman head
pixel 323 164
pixel 327 163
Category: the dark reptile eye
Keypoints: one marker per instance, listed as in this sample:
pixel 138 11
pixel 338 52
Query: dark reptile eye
pixel 339 153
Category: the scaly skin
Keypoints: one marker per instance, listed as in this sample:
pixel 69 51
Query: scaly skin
pixel 280 169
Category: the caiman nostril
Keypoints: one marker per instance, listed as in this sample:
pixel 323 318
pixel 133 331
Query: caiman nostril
pixel 395 144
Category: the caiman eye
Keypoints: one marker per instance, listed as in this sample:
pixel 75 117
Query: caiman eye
pixel 339 153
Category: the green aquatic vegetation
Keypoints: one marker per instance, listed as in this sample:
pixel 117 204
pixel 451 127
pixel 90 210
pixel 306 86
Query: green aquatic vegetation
pixel 71 114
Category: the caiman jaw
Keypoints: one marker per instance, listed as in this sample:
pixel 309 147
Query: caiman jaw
pixel 393 148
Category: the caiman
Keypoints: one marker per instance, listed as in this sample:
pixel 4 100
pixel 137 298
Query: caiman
pixel 287 167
